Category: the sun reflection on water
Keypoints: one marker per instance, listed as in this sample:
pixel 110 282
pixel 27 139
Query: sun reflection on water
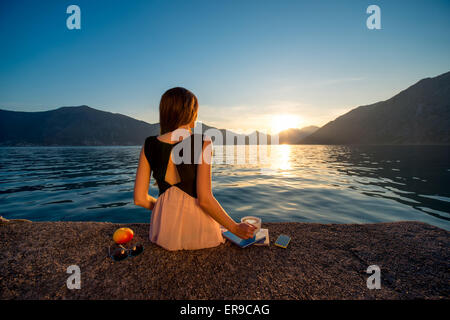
pixel 280 158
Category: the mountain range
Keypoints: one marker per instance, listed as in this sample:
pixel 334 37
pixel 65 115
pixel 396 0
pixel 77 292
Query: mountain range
pixel 86 126
pixel 74 126
pixel 418 115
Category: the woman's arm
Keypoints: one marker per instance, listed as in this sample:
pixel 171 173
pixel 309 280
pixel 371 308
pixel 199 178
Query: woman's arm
pixel 209 204
pixel 141 196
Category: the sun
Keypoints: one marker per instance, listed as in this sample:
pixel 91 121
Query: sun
pixel 282 122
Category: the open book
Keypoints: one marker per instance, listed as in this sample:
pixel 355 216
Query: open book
pixel 261 238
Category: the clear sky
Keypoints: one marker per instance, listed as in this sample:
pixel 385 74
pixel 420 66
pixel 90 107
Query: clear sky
pixel 247 61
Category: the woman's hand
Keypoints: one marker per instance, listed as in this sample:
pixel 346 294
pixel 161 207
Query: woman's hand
pixel 244 230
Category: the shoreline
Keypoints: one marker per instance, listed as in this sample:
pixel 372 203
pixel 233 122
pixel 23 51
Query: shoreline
pixel 322 261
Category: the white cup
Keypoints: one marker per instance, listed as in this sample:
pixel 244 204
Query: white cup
pixel 255 221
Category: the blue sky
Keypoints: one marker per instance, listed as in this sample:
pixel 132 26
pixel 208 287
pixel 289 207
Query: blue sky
pixel 247 61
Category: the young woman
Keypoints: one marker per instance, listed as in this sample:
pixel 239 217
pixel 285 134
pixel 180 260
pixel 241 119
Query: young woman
pixel 185 215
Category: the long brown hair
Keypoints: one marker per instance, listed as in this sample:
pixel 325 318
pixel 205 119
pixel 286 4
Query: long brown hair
pixel 178 107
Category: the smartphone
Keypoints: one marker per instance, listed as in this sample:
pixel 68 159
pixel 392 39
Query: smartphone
pixel 283 241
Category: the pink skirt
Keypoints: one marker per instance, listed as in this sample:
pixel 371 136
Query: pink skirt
pixel 178 223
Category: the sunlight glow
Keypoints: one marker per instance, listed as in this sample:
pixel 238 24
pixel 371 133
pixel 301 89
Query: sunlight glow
pixel 284 158
pixel 279 161
pixel 282 122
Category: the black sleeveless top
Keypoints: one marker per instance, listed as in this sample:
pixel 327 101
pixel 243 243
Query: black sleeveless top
pixel 189 150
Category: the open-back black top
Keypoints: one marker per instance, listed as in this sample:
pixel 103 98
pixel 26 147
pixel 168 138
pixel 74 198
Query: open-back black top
pixel 189 150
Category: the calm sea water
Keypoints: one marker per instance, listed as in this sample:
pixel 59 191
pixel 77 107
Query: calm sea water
pixel 325 184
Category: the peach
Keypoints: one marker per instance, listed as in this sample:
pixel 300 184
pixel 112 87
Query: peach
pixel 123 235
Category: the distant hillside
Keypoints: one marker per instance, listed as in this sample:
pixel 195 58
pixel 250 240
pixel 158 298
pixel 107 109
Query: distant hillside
pixel 72 126
pixel 417 115
pixel 86 126
pixel 230 137
pixel 293 136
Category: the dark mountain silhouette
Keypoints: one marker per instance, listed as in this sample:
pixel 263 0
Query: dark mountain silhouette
pixel 86 126
pixel 293 136
pixel 417 115
pixel 74 126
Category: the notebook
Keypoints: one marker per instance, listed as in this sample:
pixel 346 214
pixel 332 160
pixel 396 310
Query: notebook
pixel 241 242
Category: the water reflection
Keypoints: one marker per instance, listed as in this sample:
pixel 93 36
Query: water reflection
pixel 329 184
pixel 346 183
pixel 280 158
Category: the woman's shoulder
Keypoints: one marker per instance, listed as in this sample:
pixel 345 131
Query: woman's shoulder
pixel 196 136
pixel 206 138
pixel 201 138
pixel 152 141
pixel 149 143
pixel 149 140
pixel 199 135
